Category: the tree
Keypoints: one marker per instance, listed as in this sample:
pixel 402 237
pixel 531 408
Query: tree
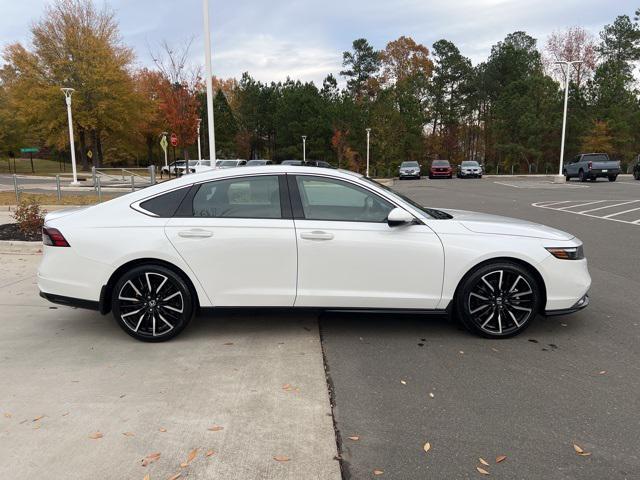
pixel 150 85
pixel 572 44
pixel 75 45
pixel 361 67
pixel 598 139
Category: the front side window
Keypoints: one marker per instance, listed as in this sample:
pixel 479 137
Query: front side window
pixel 247 197
pixel 331 199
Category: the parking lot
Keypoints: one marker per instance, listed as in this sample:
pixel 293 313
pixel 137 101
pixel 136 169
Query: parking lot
pixel 396 381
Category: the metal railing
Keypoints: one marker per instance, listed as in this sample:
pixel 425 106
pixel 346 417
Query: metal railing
pixel 124 177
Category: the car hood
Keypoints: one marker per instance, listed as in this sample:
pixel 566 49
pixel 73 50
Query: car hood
pixel 497 225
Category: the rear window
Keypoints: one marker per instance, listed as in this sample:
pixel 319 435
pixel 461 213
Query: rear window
pixel 165 205
pixel 596 158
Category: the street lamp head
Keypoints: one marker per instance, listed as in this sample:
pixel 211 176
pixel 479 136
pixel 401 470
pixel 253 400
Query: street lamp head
pixel 368 130
pixel 67 91
pixel 304 137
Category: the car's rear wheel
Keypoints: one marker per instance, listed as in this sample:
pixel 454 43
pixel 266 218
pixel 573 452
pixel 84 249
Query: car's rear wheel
pixel 498 300
pixel 582 176
pixel 152 303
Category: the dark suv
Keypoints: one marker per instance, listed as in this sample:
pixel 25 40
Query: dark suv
pixel 636 169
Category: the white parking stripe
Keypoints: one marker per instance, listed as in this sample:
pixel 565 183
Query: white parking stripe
pixel 582 204
pixel 620 213
pixel 609 206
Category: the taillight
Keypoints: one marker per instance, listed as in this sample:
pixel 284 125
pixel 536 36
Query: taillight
pixel 590 164
pixel 53 238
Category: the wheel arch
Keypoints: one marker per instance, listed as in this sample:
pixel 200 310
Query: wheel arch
pixel 107 289
pixel 528 266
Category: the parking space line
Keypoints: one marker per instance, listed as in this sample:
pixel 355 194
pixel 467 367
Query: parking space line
pixel 582 204
pixel 548 204
pixel 620 213
pixel 608 206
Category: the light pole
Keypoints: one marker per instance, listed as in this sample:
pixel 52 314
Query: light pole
pixel 199 150
pixel 209 82
pixel 567 76
pixel 164 145
pixel 67 96
pixel 368 137
pixel 304 148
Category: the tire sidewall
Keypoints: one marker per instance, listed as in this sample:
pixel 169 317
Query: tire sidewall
pixel 471 279
pixel 189 308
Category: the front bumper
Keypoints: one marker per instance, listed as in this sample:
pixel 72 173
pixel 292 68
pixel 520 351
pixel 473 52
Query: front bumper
pixel 580 304
pixel 440 174
pixel 409 174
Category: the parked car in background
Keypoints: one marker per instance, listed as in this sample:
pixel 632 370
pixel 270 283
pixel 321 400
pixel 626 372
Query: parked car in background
pixel 309 235
pixel 318 163
pixel 257 163
pixel 409 169
pixel 440 169
pixel 172 168
pixel 590 166
pixel 197 166
pixel 469 168
pixel 295 163
pixel 636 169
pixel 230 163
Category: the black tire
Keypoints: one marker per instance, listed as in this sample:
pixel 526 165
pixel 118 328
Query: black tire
pixel 163 316
pixel 613 178
pixel 430 177
pixel 636 176
pixel 581 176
pixel 479 176
pixel 592 179
pixel 503 312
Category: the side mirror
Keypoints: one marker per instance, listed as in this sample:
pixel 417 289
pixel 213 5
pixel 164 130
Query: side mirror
pixel 398 217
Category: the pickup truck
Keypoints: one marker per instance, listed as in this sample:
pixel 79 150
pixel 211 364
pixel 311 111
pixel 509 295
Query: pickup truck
pixel 590 166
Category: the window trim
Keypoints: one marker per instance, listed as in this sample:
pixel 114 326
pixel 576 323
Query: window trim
pixel 185 210
pixel 296 199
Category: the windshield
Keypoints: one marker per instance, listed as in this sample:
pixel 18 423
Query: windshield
pixel 440 163
pixel 256 162
pixel 409 164
pixel 429 212
pixel 227 163
pixel 470 163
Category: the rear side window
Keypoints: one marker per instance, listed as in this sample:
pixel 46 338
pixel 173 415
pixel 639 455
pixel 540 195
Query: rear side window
pixel 165 205
pixel 247 197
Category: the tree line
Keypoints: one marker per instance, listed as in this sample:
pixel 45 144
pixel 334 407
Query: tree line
pixel 420 103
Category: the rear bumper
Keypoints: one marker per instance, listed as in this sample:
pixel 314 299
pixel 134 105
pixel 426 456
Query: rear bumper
pixel 580 304
pixel 597 173
pixel 70 301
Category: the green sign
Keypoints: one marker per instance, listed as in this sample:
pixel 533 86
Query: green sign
pixel 29 150
pixel 164 143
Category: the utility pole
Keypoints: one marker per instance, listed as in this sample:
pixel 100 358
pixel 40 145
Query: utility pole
pixel 199 150
pixel 67 96
pixel 209 82
pixel 368 137
pixel 567 77
pixel 304 148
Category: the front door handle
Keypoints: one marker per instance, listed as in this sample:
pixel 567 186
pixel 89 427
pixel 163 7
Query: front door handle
pixel 316 235
pixel 195 233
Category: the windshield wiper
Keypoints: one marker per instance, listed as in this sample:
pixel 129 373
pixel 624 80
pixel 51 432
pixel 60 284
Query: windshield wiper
pixel 437 214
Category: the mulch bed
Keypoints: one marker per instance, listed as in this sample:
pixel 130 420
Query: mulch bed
pixel 10 231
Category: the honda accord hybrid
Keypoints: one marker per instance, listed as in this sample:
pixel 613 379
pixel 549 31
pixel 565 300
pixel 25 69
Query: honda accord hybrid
pixel 296 237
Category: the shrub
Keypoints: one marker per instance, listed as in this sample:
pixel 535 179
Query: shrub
pixel 29 217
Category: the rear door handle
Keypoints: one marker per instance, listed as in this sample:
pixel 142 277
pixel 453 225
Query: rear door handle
pixel 195 233
pixel 316 235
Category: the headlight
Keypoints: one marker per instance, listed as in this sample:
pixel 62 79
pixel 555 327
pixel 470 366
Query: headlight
pixel 567 253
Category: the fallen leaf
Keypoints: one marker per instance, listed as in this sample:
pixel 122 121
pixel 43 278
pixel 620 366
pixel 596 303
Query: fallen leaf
pixel 7 415
pixel 163 429
pixel 215 428
pixel 177 475
pixel 286 386
pixel 603 372
pixel 96 435
pixel 426 447
pixel 281 458
pixel 482 471
pixel 578 448
pixel 378 472
pixel 584 454
pixel 184 464
pixel 147 477
pixel 403 382
pixel 431 395
pixel 209 453
pixel 192 454
pixel 38 418
pixel 501 458
pixel 64 414
pixel 483 462
pixel 461 352
pixel 495 350
pixel 129 434
pixel 152 457
pixel 355 438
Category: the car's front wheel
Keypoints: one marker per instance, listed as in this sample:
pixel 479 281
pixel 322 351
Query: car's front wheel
pixel 498 300
pixel 152 303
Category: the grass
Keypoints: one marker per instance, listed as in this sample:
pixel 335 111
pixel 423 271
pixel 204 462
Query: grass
pixel 9 198
pixel 40 165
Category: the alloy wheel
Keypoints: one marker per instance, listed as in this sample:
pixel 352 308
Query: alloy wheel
pixel 151 304
pixel 501 302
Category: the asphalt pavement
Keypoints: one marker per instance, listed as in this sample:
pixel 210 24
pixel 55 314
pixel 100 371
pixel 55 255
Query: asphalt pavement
pixel 400 381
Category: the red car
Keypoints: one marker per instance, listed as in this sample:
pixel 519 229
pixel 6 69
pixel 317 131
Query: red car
pixel 440 169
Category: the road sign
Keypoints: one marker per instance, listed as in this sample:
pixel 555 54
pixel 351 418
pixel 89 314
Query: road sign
pixel 29 150
pixel 174 140
pixel 164 143
pixel 90 154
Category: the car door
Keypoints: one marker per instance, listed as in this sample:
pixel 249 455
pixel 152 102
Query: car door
pixel 349 257
pixel 238 237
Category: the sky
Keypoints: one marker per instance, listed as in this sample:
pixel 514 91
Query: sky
pixel 276 39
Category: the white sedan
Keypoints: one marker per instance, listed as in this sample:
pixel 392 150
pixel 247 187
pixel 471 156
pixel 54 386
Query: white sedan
pixel 303 238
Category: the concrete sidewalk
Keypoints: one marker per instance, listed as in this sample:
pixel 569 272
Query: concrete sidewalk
pixel 67 375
